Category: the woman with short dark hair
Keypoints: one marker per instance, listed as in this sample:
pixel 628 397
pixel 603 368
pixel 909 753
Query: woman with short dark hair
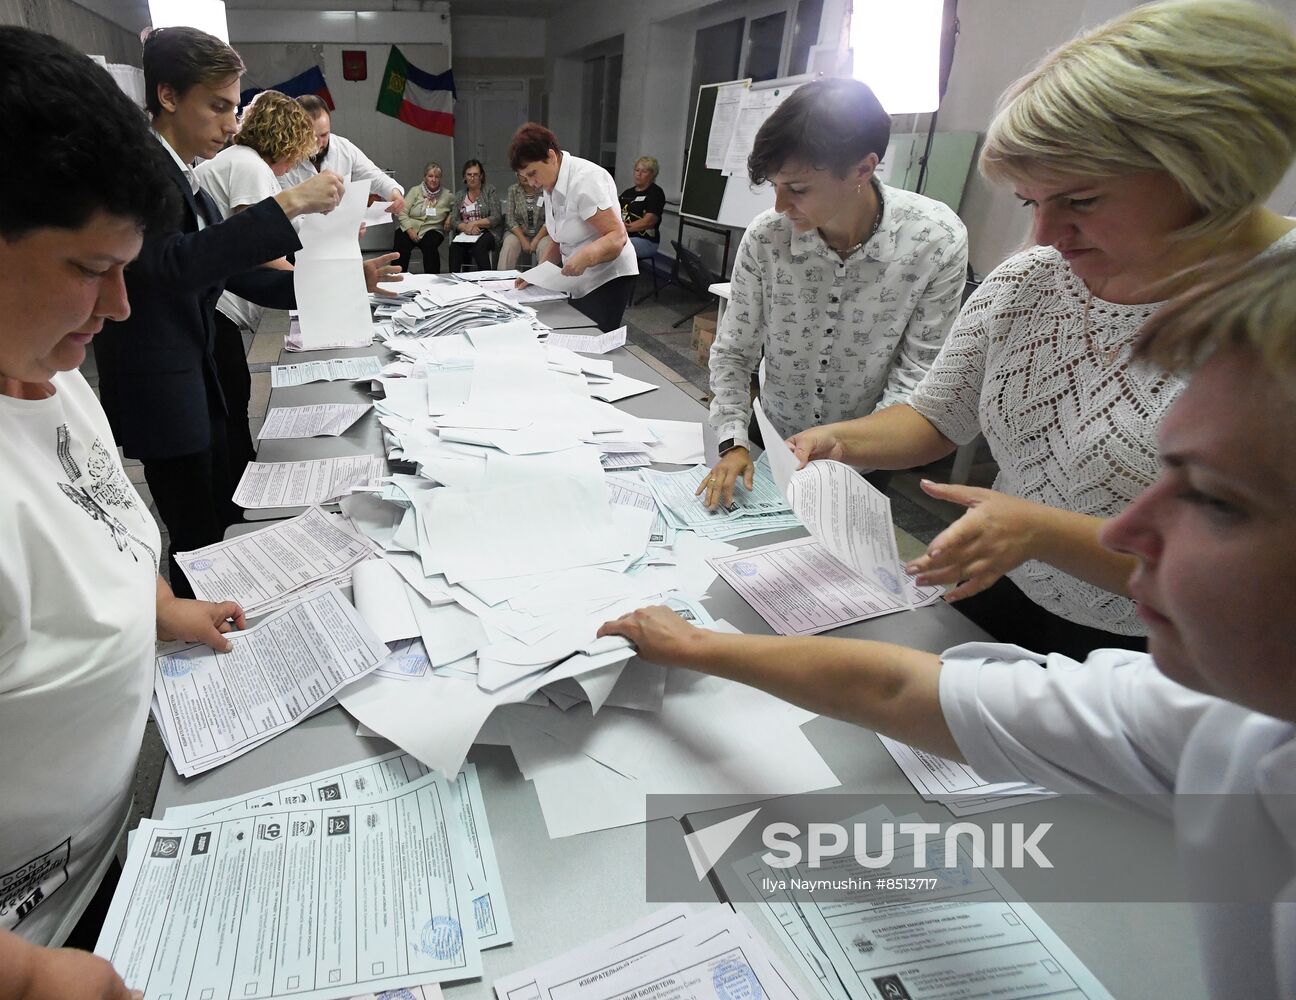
pixel 584 219
pixel 476 212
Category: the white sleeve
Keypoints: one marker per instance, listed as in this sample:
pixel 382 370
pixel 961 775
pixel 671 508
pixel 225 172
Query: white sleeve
pixel 1112 723
pixel 250 182
pixel 364 169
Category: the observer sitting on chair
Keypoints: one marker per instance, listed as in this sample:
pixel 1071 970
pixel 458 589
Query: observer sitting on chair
pixel 524 224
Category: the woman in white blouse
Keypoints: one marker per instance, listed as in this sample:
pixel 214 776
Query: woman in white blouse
pixel 1144 149
pixel 583 215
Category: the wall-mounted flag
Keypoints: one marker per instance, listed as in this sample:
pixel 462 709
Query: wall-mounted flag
pixel 310 82
pixel 424 100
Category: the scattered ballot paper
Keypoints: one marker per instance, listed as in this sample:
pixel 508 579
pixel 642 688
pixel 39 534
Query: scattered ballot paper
pixel 328 275
pixel 300 484
pixel 604 343
pixel 379 213
pixel 315 420
pixel 848 570
pixel 333 370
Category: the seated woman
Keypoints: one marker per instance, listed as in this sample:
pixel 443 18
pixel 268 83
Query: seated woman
pixel 1207 723
pixel 475 212
pixel 642 207
pixel 423 221
pixel 1039 360
pixel 524 222
pixel 274 135
pixel 590 240
pixel 846 287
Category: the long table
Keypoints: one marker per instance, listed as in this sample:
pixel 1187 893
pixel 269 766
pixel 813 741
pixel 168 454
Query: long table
pixel 565 892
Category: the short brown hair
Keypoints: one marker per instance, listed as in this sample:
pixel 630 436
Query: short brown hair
pixel 182 57
pixel 531 144
pixel 1251 305
pixel 314 105
pixel 277 127
pixel 827 124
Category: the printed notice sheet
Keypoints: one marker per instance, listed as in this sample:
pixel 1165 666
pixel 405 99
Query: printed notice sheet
pixel 213 706
pixel 261 567
pixel 315 900
pixel 375 776
pixel 316 420
pixel 334 370
pixel 300 484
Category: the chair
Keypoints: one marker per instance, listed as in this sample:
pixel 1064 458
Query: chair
pixel 692 274
pixel 650 259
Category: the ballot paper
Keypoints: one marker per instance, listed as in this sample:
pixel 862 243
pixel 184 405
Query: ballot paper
pixel 467 238
pixel 373 776
pixel 679 442
pixel 507 289
pixel 620 387
pixel 883 944
pixel 334 370
pixel 378 214
pixel 316 900
pixel 755 511
pixel 477 277
pixel 546 274
pixel 315 420
pixel 955 784
pixel 300 484
pixel 719 956
pixel 214 707
pixel 604 343
pixel 264 566
pixel 328 274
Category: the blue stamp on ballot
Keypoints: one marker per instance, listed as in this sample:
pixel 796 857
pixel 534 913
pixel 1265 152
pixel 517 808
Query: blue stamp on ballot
pixel 734 980
pixel 442 938
pixel 744 568
pixel 888 579
pixel 175 666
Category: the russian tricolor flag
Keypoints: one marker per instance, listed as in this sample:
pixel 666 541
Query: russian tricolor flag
pixel 310 82
pixel 424 100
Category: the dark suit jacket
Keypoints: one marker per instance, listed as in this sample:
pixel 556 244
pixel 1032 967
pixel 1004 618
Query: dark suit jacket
pixel 157 372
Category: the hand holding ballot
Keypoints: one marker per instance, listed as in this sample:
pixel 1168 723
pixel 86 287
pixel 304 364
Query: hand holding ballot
pixel 320 194
pixel 734 465
pixel 197 621
pixel 660 635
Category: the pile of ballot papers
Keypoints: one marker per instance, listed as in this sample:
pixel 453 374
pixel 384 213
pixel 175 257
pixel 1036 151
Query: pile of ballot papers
pixel 372 877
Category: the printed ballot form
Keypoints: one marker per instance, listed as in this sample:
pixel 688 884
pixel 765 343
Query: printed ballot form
pixel 213 706
pixel 315 900
pixel 315 420
pixel 848 570
pixel 333 370
pixel 300 484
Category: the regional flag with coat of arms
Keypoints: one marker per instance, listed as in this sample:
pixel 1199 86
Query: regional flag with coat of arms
pixel 424 100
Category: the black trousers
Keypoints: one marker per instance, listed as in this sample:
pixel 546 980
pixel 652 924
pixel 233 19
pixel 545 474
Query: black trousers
pixel 236 385
pixel 86 932
pixel 1009 615
pixel 479 251
pixel 429 243
pixel 606 305
pixel 194 497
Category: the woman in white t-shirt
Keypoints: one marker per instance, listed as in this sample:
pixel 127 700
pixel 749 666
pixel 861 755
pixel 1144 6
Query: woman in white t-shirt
pixel 583 215
pixel 1144 149
pixel 275 134
pixel 81 602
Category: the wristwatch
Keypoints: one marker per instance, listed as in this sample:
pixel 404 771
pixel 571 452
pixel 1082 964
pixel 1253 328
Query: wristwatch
pixel 728 444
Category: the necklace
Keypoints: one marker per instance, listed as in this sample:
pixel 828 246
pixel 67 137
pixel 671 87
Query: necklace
pixel 1105 355
pixel 877 224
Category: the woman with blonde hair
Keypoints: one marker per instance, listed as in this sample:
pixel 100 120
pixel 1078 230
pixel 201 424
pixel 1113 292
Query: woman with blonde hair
pixel 1145 150
pixel 275 134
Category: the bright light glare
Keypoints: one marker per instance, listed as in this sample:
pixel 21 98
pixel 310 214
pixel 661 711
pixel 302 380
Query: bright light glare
pixel 897 52
pixel 205 15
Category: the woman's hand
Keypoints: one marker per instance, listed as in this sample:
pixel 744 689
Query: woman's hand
pixel 719 484
pixel 997 534
pixel 578 264
pixel 817 443
pixel 381 270
pixel 412 234
pixel 198 621
pixel 659 634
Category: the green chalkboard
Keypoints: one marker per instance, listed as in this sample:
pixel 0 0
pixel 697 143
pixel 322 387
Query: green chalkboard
pixel 703 189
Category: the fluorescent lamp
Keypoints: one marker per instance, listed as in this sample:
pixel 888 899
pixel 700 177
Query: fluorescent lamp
pixel 205 15
pixel 896 46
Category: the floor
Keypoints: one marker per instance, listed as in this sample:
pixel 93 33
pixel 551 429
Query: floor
pixel 651 336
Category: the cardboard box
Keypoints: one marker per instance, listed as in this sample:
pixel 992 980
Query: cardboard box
pixel 704 331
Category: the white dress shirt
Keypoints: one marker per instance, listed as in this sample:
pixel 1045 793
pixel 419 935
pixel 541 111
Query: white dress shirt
pixel 346 160
pixel 1225 775
pixel 582 190
pixel 841 338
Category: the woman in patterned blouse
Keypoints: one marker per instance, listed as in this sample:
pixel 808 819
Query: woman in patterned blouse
pixel 1144 149
pixel 476 212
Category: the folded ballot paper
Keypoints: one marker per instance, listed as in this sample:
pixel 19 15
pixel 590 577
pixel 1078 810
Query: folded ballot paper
pixel 374 877
pixel 848 570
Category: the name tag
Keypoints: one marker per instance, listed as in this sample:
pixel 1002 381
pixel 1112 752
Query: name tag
pixel 641 197
pixel 540 202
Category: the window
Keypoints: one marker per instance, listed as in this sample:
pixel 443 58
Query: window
pixel 717 52
pixel 765 46
pixel 600 106
pixel 805 34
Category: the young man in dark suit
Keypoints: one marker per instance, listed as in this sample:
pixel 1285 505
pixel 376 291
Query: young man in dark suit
pixel 165 375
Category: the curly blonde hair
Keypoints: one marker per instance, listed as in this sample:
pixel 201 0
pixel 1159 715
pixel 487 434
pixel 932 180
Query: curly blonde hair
pixel 277 127
pixel 1204 90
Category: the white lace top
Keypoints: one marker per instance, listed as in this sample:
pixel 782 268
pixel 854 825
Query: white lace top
pixel 1071 423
